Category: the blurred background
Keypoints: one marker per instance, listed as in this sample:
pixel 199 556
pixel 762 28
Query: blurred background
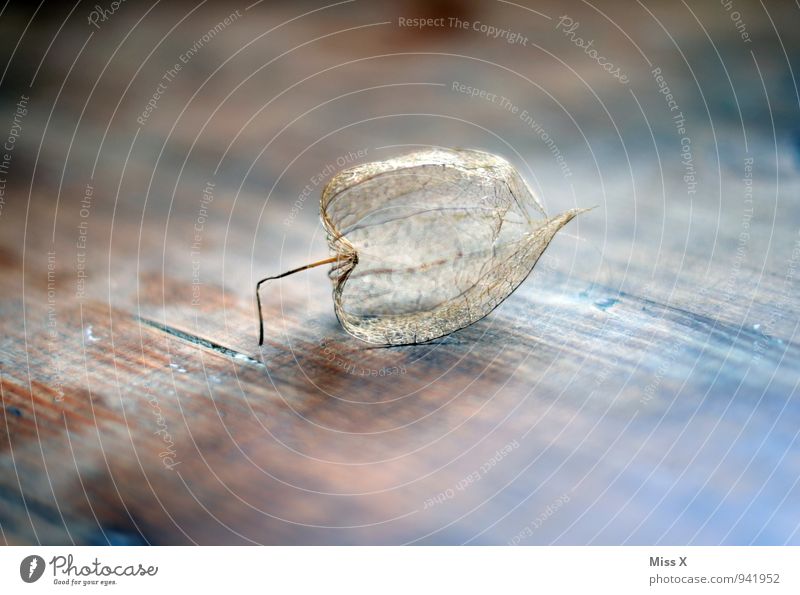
pixel 159 158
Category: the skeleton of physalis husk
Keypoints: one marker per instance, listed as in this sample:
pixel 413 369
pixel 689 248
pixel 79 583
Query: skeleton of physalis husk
pixel 429 242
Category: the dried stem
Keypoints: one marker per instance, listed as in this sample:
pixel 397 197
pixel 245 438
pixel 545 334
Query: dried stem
pixel 330 260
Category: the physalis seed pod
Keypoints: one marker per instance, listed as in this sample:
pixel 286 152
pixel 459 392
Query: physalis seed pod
pixel 428 243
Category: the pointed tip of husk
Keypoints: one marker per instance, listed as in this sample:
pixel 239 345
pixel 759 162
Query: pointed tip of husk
pixel 568 215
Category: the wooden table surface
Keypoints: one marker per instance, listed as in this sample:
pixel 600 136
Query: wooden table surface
pixel 640 387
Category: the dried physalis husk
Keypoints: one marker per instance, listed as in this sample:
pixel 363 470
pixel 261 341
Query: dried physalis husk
pixel 429 242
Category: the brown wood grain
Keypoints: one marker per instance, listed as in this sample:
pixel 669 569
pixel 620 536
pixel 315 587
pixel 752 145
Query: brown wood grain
pixel 642 372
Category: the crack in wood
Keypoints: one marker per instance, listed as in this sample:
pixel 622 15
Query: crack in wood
pixel 202 342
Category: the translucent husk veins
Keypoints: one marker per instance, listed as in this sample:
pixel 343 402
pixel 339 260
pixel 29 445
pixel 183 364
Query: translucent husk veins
pixel 430 242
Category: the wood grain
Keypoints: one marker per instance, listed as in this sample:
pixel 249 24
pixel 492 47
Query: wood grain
pixel 640 386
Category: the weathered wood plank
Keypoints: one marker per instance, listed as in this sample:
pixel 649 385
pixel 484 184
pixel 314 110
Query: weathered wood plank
pixel 642 383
